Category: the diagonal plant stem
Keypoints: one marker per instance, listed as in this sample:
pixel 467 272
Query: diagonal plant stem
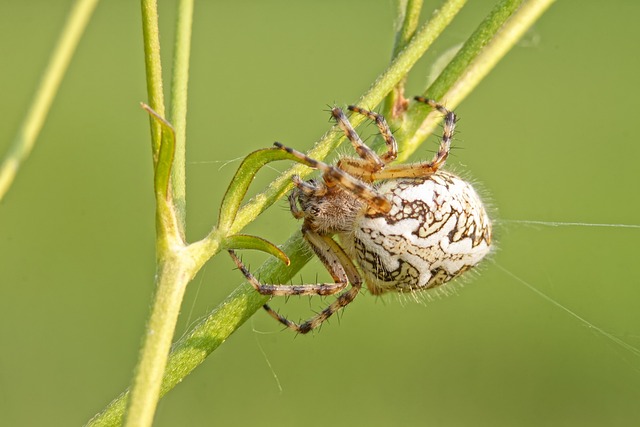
pixel 212 327
pixel 24 141
pixel 409 14
pixel 494 37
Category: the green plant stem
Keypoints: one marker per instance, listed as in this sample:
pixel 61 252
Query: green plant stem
pixel 510 33
pixel 153 67
pixel 25 139
pixel 408 17
pixel 175 267
pixel 179 85
pixel 153 358
pixel 493 38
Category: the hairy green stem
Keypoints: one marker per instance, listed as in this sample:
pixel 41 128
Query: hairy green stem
pixel 493 38
pixel 409 17
pixel 175 267
pixel 153 67
pixel 510 33
pixel 179 84
pixel 145 389
pixel 25 139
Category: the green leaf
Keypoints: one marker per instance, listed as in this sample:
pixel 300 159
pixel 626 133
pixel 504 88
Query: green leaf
pixel 242 179
pixel 245 241
pixel 165 154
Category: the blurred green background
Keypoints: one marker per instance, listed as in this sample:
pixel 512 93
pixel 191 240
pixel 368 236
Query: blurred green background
pixel 551 135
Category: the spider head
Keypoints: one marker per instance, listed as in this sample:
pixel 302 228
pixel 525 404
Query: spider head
pixel 326 210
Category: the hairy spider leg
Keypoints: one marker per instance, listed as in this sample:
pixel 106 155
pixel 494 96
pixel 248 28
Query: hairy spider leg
pixel 363 168
pixel 337 263
pixel 425 169
pixel 334 176
pixel 370 158
pixel 385 131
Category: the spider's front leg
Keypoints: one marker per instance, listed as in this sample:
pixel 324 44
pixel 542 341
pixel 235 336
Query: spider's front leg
pixel 333 176
pixel 421 170
pixel 369 162
pixel 338 264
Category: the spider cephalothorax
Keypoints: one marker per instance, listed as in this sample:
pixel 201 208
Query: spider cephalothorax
pixel 408 227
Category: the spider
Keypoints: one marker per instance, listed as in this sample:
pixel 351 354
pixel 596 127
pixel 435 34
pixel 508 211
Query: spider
pixel 408 227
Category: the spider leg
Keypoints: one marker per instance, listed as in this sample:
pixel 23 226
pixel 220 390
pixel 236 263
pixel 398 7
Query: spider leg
pixel 334 176
pixel 371 159
pixel 358 168
pixel 339 266
pixel 369 162
pixel 426 168
pixel 288 290
pixel 385 131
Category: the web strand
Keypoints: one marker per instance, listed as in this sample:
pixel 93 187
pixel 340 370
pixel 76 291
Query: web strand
pixel 633 350
pixel 566 224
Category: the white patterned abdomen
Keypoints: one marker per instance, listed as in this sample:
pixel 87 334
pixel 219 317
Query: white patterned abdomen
pixel 436 230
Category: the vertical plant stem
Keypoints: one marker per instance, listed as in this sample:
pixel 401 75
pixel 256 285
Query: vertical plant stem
pixel 175 268
pixel 34 120
pixel 179 85
pixel 153 66
pixel 145 390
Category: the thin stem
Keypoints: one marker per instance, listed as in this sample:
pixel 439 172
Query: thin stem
pixel 175 269
pixel 153 66
pixel 510 33
pixel 145 390
pixel 410 19
pixel 409 15
pixel 25 139
pixel 493 38
pixel 179 86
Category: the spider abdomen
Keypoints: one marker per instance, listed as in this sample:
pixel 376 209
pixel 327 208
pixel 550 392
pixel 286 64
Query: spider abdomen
pixel 436 230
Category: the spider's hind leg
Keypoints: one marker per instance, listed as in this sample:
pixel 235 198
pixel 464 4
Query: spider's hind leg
pixel 338 264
